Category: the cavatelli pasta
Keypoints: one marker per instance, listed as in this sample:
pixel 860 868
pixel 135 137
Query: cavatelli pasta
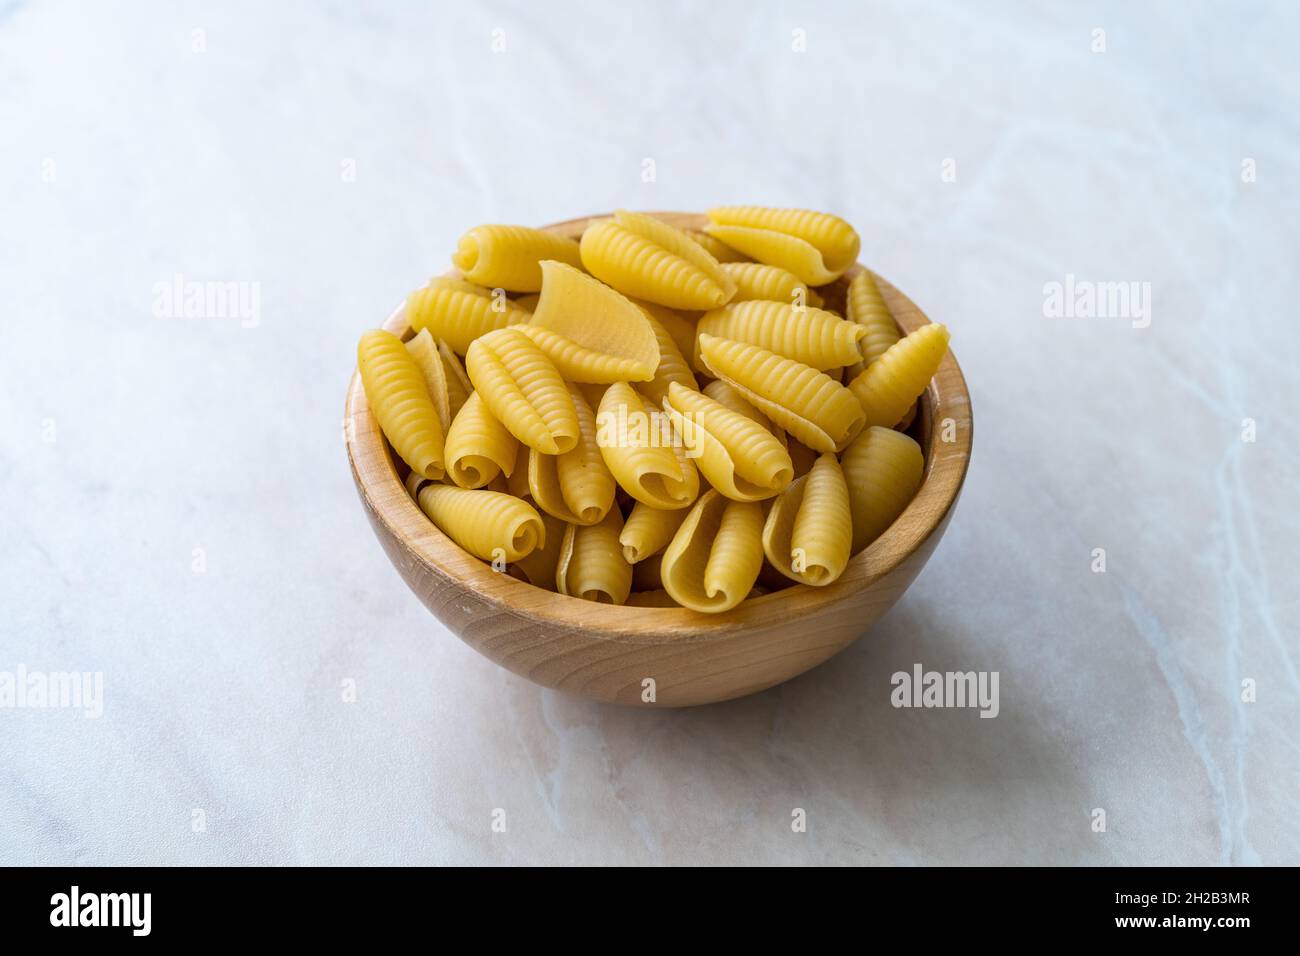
pixel 591 564
pixel 673 367
pixel 817 247
pixel 487 524
pixel 714 559
pixel 815 338
pixel 883 470
pixel 523 390
pixel 509 257
pixel 644 455
pixel 538 566
pixel 646 258
pixel 738 456
pixel 478 446
pixel 576 486
pixel 866 306
pixel 716 247
pixel 810 406
pixel 400 401
pixel 754 280
pixel 808 534
pixel 591 333
pixel 648 530
pixel 458 312
pixel 888 386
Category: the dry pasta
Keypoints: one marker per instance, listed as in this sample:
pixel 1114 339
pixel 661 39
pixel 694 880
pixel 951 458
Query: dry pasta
pixel 866 306
pixel 488 524
pixel 646 258
pixel 643 455
pixel 523 390
pixel 576 486
pixel 591 563
pixel 648 530
pixel 738 456
pixel 754 280
pixel 458 312
pixel 812 407
pixel 816 338
pixel 509 257
pixel 591 333
pixel 425 352
pixel 888 386
pixel 673 367
pixel 815 246
pixel 400 401
pixel 883 470
pixel 716 247
pixel 539 565
pixel 714 559
pixel 478 447
pixel 808 535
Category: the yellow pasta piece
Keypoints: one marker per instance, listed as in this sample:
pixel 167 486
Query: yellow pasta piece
pixel 813 408
pixel 538 566
pixel 883 470
pixel 509 257
pixel 576 487
pixel 866 307
pixel 425 352
pixel 680 327
pixel 478 446
pixel 727 394
pixel 648 530
pixel 754 280
pixel 517 480
pixel 487 524
pixel 716 247
pixel 714 559
pixel 737 455
pixel 591 562
pixel 888 386
pixel 523 390
pixel 673 367
pixel 400 401
pixel 817 247
pixel 809 529
pixel 528 302
pixel 642 452
pixel 657 598
pixel 458 383
pixel 815 338
pixel 591 332
pixel 458 312
pixel 646 258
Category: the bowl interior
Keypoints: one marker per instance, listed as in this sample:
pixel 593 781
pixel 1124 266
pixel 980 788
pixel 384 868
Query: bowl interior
pixel 943 428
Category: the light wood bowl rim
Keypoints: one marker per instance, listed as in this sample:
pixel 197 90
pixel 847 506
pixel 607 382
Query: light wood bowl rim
pixel 946 464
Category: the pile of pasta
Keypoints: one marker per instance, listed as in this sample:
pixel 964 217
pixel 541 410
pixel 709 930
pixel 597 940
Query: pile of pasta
pixel 653 416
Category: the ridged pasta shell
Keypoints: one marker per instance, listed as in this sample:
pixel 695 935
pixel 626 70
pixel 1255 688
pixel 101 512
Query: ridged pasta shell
pixel 808 534
pixel 642 452
pixel 591 333
pixel 487 524
pixel 425 352
pixel 866 306
pixel 812 407
pixel 458 312
pixel 523 390
pixel 716 247
pixel 509 257
pixel 648 530
pixel 478 447
pixel 888 386
pixel 576 486
pixel 738 456
pixel 538 566
pixel 714 559
pixel 591 563
pixel 400 401
pixel 883 470
pixel 754 280
pixel 648 259
pixel 673 367
pixel 817 247
pixel 816 338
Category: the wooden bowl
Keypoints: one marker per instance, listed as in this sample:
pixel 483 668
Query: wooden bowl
pixel 608 652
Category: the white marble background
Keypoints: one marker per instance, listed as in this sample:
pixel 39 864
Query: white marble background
pixel 127 156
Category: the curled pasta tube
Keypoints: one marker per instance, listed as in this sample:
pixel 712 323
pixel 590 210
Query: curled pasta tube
pixel 889 386
pixel 576 486
pixel 809 530
pixel 488 524
pixel 714 559
pixel 883 470
pixel 644 457
pixel 478 446
pixel 509 257
pixel 523 390
pixel 591 562
pixel 400 401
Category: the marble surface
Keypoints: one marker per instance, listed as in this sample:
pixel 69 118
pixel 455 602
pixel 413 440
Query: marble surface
pixel 178 514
